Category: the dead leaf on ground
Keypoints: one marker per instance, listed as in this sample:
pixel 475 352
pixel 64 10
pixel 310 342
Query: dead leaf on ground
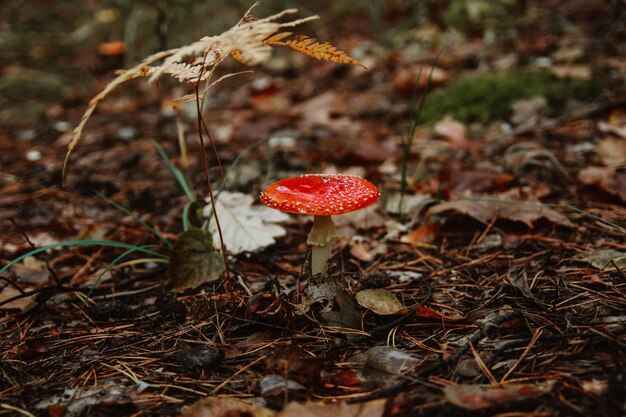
pixel 31 271
pixel 406 78
pixel 460 181
pixel 245 226
pixel 427 312
pixel 519 279
pixel 485 209
pixel 327 109
pixel 390 360
pixel 366 218
pixel 21 303
pixel 612 151
pixel 422 235
pixel 380 301
pixel 78 402
pixel 408 203
pixel 342 313
pixel 193 261
pixel 374 408
pixel 366 250
pixel 606 179
pixel 529 111
pixel 607 259
pixel 615 123
pixel 532 161
pixel 315 292
pixel 225 407
pixel 271 385
pixel 453 131
pixel 476 397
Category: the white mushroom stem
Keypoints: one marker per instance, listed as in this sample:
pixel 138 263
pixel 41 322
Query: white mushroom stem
pixel 320 238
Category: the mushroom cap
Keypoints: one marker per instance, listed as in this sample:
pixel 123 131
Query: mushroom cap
pixel 320 194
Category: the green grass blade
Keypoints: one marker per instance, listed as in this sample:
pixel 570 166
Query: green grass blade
pixel 177 173
pixel 85 243
pixel 186 215
pixel 115 262
pixel 137 219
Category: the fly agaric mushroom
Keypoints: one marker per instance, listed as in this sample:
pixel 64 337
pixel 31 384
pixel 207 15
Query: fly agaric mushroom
pixel 322 196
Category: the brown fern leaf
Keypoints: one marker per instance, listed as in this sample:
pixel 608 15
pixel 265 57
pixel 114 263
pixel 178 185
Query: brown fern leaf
pixel 276 39
pixel 235 53
pixel 322 51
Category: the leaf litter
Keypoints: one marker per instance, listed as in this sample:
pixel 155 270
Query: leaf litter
pixel 507 252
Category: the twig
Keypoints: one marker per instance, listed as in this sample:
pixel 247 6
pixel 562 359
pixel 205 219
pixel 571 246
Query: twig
pixel 13 284
pixel 43 255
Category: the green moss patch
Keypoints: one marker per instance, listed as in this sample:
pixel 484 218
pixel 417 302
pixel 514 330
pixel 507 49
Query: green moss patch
pixel 489 96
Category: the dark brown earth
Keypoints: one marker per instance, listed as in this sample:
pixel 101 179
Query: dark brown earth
pixel 511 261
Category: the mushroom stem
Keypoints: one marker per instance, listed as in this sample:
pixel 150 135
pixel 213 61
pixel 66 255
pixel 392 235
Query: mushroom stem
pixel 320 238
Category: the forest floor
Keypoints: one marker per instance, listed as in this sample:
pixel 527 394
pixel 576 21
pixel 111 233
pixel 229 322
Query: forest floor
pixel 498 268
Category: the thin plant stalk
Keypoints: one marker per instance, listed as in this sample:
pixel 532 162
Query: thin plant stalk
pixel 407 140
pixel 205 164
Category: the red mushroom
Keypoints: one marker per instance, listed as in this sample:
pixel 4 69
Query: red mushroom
pixel 322 196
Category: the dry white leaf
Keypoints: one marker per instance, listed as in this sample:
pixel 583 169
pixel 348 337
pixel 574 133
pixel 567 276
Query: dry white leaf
pixel 245 226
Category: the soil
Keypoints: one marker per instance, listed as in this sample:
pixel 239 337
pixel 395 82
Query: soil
pixel 509 261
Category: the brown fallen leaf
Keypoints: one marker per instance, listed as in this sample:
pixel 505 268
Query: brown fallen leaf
pixel 453 131
pixel 612 151
pixel 389 360
pixel 321 110
pixel 21 303
pixel 427 312
pixel 485 209
pixel 423 235
pixel 459 181
pixel 607 180
pixel 406 78
pixel 225 407
pixel 476 397
pixel 607 259
pixel 374 408
pixel 193 261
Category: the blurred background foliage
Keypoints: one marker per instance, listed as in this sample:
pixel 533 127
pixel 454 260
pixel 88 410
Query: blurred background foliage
pixel 55 51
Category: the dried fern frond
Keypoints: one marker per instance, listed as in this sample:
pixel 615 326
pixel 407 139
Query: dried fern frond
pixel 313 48
pixel 250 41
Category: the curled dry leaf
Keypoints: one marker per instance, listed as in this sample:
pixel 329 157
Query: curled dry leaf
pixel 422 235
pixel 193 261
pixel 380 301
